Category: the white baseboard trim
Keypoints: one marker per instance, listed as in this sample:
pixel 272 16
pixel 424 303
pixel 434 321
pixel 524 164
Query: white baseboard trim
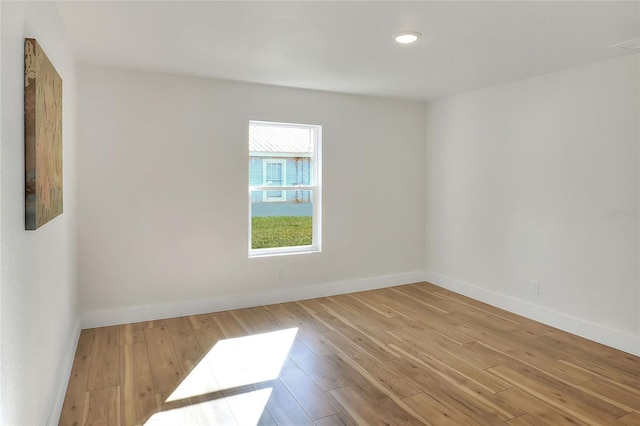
pixel 607 336
pixel 243 300
pixel 63 376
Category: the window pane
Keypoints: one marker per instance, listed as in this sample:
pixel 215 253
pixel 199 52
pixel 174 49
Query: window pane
pixel 273 195
pixel 284 162
pixel 304 171
pixel 286 224
pixel 274 171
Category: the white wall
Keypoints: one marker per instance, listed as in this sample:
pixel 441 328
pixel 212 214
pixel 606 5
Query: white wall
pixel 519 178
pixel 163 197
pixel 39 314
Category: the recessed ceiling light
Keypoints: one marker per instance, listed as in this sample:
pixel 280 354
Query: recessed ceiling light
pixel 406 37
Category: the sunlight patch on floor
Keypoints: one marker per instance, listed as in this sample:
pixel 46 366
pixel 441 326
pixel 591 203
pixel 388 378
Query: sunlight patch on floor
pixel 232 363
pixel 243 409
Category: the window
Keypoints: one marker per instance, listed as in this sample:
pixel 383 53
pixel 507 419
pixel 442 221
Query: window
pixel 284 188
pixel 274 172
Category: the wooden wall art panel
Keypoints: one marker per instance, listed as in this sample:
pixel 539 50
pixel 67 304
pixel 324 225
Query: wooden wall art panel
pixel 42 137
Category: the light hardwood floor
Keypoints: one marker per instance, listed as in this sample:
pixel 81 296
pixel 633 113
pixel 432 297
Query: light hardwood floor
pixel 414 354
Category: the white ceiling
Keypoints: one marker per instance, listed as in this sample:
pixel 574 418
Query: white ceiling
pixel 348 46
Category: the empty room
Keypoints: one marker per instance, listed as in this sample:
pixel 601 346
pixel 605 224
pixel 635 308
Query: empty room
pixel 319 213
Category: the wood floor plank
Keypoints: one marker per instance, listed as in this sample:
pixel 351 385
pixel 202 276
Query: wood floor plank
pixel 425 335
pixel 314 305
pixel 202 321
pixel 477 313
pixel 437 320
pixel 369 317
pixel 415 354
pixel 487 355
pixel 105 357
pixel 103 407
pixel 312 400
pixel 368 325
pixel 321 374
pixel 228 325
pixel 137 392
pixel 373 301
pixel 417 292
pixel 527 420
pixel 366 343
pixel 284 315
pixel 183 339
pixel 583 406
pixel 305 318
pixel 437 413
pixel 450 295
pixel 499 340
pixel 339 419
pixel 346 345
pixel 529 352
pixel 534 330
pixel 394 384
pixel 538 408
pixel 317 343
pixel 369 390
pixel 485 409
pixel 456 371
pixel 132 333
pixel 603 373
pixel 395 294
pixel 612 394
pixel 165 369
pixel 73 407
pixel 410 308
pixel 256 320
pixel 539 359
pixel 359 410
pixel 282 406
pixel 291 315
pixel 583 348
pixel 207 338
pixel 631 419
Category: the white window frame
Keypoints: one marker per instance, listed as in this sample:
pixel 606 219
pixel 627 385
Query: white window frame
pixel 283 197
pixel 316 191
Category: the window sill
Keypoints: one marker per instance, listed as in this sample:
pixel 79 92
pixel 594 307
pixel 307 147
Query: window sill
pixel 283 251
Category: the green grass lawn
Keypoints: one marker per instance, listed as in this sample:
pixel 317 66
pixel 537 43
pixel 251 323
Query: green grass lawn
pixel 280 231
